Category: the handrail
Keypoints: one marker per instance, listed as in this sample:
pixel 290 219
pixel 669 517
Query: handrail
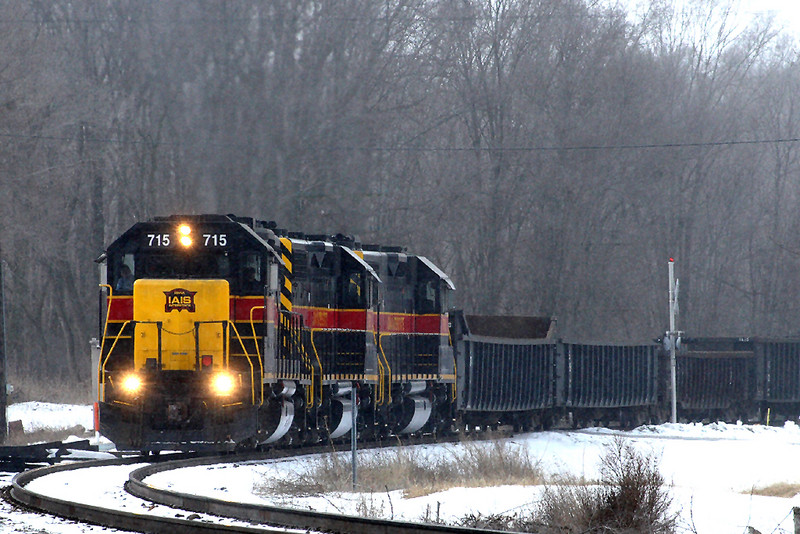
pixel 258 350
pixel 253 326
pixel 102 381
pixel 108 315
pixel 455 365
pixel 252 369
pixel 316 355
pixel 381 370
pixel 295 337
pixel 310 400
pixel 386 359
pixel 379 392
pixel 103 339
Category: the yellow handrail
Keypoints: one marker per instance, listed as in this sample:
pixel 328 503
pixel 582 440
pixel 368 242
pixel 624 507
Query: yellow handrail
pixel 297 336
pixel 455 365
pixel 253 326
pixel 379 393
pixel 252 369
pixel 316 355
pixel 258 350
pixel 385 359
pixel 108 314
pixel 383 369
pixel 102 381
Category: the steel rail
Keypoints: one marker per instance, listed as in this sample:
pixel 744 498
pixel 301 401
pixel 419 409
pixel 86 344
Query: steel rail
pixel 273 518
pixel 270 514
pixel 109 517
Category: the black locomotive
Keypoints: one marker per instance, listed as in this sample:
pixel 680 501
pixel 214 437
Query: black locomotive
pixel 234 332
pixel 224 331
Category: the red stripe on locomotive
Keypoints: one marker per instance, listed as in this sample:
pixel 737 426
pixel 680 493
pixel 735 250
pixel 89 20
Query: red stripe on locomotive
pixel 241 306
pixel 121 308
pixel 333 319
pixel 402 323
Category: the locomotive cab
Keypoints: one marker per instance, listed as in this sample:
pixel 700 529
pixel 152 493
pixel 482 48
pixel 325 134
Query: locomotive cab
pixel 185 343
pixel 414 344
pixel 329 294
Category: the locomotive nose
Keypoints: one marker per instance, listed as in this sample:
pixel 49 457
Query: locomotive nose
pixel 179 320
pixel 177 412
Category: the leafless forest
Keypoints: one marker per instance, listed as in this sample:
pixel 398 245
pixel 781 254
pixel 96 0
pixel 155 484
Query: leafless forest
pixel 551 155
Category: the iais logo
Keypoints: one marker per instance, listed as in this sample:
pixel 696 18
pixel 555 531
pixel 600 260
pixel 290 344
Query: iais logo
pixel 180 299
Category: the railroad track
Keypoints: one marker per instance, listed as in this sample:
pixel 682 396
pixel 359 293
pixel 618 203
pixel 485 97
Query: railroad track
pixel 239 517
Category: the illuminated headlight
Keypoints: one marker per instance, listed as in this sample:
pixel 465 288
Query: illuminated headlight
pixel 131 384
pixel 222 384
pixel 185 232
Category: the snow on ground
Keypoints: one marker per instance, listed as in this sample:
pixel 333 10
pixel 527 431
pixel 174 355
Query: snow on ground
pixel 712 469
pixel 45 415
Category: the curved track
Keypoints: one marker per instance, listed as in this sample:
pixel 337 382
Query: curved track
pixel 274 518
pixel 110 517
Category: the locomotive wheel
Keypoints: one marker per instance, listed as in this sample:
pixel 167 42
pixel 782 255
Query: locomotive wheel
pixel 249 444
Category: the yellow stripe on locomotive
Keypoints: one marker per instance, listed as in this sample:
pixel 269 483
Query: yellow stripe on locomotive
pixel 192 315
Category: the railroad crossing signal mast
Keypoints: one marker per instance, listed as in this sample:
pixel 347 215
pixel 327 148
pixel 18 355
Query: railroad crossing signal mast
pixel 3 380
pixel 673 337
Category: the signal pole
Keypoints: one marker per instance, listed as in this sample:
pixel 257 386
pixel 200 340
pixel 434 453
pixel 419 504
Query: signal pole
pixel 354 434
pixel 3 367
pixel 673 337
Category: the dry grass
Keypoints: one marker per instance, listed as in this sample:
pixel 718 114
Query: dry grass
pixel 472 465
pixel 30 389
pixel 631 496
pixel 781 489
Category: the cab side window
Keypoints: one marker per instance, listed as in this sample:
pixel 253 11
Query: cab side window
pixel 352 290
pixel 124 274
pixel 251 274
pixel 426 297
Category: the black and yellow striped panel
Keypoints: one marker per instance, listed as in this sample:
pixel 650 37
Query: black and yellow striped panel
pixel 286 286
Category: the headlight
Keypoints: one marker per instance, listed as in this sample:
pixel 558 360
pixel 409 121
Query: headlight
pixel 131 384
pixel 185 232
pixel 222 384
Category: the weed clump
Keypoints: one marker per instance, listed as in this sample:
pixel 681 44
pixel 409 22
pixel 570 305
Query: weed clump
pixel 630 498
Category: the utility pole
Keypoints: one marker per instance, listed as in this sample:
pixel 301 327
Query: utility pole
pixel 673 338
pixel 3 376
pixel 354 434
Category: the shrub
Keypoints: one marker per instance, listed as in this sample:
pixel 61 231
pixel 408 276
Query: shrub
pixel 631 498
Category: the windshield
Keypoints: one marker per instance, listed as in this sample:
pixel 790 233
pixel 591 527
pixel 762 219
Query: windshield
pixel 159 265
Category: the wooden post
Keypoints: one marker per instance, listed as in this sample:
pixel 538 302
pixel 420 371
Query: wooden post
pixel 796 512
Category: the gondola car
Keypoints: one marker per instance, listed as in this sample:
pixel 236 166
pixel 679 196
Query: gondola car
pixel 717 379
pixel 507 371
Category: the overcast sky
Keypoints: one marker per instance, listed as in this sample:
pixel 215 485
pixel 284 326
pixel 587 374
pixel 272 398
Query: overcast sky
pixel 786 12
